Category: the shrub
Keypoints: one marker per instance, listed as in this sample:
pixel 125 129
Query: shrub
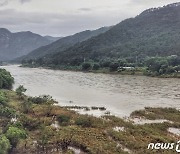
pixel 14 134
pixel 30 123
pixel 86 66
pixel 113 67
pixel 63 119
pixel 84 121
pixel 3 99
pixel 44 99
pixel 6 80
pixel 96 66
pixel 105 64
pixel 4 145
pixel 20 90
pixel 7 112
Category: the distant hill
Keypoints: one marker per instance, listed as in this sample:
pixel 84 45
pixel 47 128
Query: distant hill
pixel 64 43
pixel 52 38
pixel 155 32
pixel 13 45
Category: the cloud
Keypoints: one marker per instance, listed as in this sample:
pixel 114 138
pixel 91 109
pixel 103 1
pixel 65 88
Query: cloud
pixel 85 9
pixel 6 2
pixel 55 24
pixel 66 17
pixel 3 2
pixel 24 1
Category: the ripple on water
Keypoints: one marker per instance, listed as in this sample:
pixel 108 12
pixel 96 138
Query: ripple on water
pixel 121 94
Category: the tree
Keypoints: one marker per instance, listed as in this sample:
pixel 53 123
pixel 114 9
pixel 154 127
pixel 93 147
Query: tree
pixel 86 66
pixel 96 66
pixel 113 67
pixel 6 80
pixel 4 145
pixel 14 135
pixel 20 91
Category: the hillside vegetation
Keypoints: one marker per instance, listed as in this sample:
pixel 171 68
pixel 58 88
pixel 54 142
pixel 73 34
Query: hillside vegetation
pixel 63 44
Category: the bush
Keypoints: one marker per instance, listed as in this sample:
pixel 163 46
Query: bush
pixel 4 145
pixel 6 80
pixel 20 90
pixel 7 112
pixel 105 64
pixel 3 99
pixel 170 70
pixel 63 119
pixel 113 67
pixel 86 66
pixel 30 123
pixel 14 134
pixel 44 99
pixel 96 66
pixel 84 121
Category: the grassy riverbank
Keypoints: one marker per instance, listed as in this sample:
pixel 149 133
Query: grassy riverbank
pixel 49 128
pixel 140 71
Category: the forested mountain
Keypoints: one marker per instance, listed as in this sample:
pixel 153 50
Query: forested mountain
pixel 14 45
pixel 64 43
pixel 155 32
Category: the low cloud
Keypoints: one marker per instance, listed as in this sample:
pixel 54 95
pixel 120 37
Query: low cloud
pixel 53 23
pixel 24 1
pixel 6 2
pixel 3 2
pixel 85 9
pixel 68 18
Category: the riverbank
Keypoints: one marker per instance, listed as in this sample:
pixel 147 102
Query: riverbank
pixel 139 71
pixel 54 129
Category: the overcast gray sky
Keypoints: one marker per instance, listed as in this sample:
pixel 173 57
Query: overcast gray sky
pixel 65 17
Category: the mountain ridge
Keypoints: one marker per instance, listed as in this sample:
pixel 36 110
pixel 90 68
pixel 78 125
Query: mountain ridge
pixel 13 45
pixel 64 43
pixel 151 33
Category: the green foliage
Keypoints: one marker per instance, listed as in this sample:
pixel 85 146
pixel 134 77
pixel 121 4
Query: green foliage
pixel 27 106
pixel 7 112
pixel 6 80
pixel 96 67
pixel 162 65
pixel 84 121
pixel 63 119
pixel 86 66
pixel 20 90
pixel 14 135
pixel 46 135
pixel 113 67
pixel 3 99
pixel 30 123
pixel 4 145
pixel 44 99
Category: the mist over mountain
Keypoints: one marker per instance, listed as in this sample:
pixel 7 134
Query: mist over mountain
pixel 64 43
pixel 13 45
pixel 51 38
pixel 155 32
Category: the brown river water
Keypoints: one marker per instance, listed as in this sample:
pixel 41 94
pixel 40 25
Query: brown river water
pixel 120 94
